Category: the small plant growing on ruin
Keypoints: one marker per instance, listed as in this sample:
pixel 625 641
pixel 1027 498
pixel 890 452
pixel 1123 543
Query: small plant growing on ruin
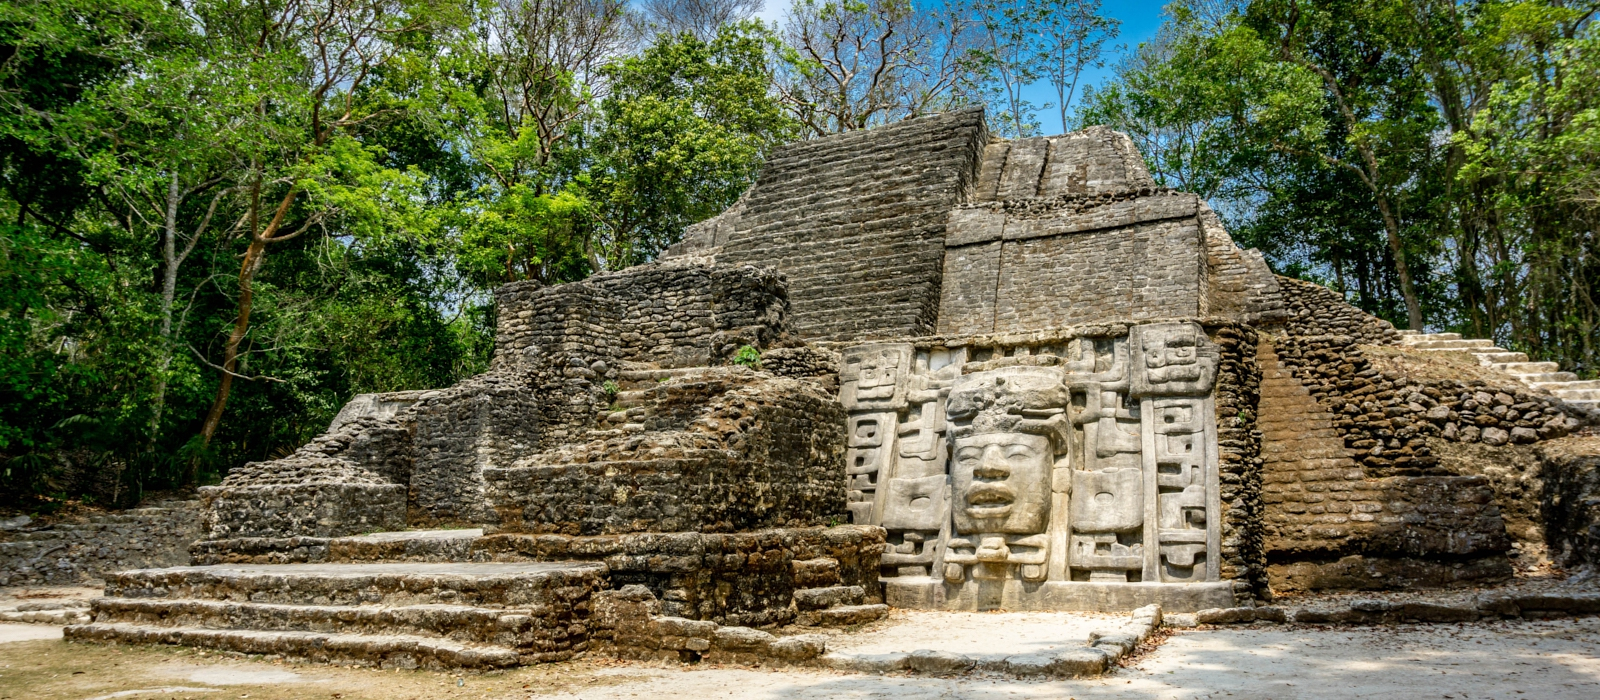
pixel 748 356
pixel 610 388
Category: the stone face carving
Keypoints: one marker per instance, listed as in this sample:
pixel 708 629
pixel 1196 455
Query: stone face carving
pixel 1176 360
pixel 1008 472
pixel 1009 426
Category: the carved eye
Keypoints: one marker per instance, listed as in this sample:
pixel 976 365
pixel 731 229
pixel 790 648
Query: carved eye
pixel 969 454
pixel 1018 453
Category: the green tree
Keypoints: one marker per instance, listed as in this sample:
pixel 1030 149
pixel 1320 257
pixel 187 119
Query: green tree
pixel 684 132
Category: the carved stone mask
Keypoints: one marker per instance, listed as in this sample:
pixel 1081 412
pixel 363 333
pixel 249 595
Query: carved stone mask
pixel 878 375
pixel 1007 427
pixel 1002 482
pixel 1171 357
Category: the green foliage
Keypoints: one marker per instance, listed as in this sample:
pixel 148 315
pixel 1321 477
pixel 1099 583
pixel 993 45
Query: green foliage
pixel 522 235
pixel 685 129
pixel 1430 159
pixel 747 356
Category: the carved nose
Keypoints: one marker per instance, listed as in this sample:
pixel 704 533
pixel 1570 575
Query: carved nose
pixel 993 466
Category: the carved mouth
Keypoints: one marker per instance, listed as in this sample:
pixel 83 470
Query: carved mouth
pixel 990 500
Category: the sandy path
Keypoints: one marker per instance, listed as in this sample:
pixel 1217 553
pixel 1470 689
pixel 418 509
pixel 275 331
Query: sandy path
pixel 1510 660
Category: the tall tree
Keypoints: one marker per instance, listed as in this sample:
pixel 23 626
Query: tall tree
pixel 851 64
pixel 312 64
pixel 685 131
pixel 701 18
pixel 1073 36
pixel 1007 58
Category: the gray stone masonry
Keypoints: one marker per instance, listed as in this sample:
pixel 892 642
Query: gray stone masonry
pixel 857 223
pixel 83 550
pixel 719 450
pixel 418 458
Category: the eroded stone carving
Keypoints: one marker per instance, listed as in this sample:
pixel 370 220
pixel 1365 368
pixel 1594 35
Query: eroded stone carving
pixel 1008 470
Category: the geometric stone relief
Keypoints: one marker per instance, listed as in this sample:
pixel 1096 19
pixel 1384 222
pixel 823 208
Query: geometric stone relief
pixel 1004 473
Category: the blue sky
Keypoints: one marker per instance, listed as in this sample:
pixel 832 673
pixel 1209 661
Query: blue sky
pixel 1140 19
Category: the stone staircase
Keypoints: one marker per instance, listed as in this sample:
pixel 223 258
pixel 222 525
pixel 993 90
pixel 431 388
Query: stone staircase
pixel 824 600
pixel 390 615
pixel 1540 375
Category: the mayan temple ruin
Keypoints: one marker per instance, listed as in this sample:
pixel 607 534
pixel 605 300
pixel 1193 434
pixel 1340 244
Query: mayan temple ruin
pixel 916 367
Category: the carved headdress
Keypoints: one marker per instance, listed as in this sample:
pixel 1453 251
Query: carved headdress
pixel 1012 400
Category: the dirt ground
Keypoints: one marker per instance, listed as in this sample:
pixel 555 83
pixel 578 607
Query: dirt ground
pixel 1543 659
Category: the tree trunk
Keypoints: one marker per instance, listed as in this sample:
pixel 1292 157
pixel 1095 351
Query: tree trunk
pixel 253 257
pixel 169 291
pixel 1392 229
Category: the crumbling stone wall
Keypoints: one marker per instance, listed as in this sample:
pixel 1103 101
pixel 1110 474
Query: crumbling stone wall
pixel 1571 503
pixel 725 450
pixel 82 550
pixel 1238 283
pixel 1357 494
pixel 1086 163
pixel 1239 461
pixel 1071 229
pixel 1314 310
pixel 418 457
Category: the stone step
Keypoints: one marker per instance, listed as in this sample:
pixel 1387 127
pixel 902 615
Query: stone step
pixel 842 616
pixel 1467 345
pixel 514 628
pixel 821 572
pixel 1409 337
pixel 1521 368
pixel 636 379
pixel 1579 384
pixel 828 597
pixel 1571 395
pixel 1498 357
pixel 51 535
pixel 1547 378
pixel 476 584
pixel 385 651
pixel 632 398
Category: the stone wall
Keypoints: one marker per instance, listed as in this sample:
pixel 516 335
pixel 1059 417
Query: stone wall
pixel 1374 472
pixel 1025 265
pixel 730 578
pixel 1239 458
pixel 1071 229
pixel 1238 283
pixel 1571 503
pixel 84 550
pixel 1314 310
pixel 1085 163
pixel 675 313
pixel 856 222
pixel 417 458
pixel 722 450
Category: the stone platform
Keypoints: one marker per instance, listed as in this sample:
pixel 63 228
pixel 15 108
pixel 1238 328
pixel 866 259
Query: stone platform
pixel 760 578
pixel 392 615
pixel 928 593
